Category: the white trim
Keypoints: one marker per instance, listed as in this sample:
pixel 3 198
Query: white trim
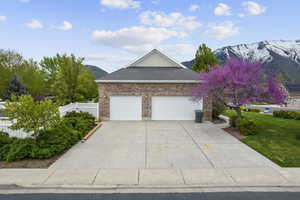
pixel 151 52
pixel 148 81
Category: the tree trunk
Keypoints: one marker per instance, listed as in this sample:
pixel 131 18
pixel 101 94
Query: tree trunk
pixel 238 111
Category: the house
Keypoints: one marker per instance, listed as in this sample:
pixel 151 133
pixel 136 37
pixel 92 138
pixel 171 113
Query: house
pixel 154 87
pixel 294 95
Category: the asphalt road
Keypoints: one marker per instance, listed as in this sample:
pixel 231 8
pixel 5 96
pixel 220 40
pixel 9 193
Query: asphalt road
pixel 163 196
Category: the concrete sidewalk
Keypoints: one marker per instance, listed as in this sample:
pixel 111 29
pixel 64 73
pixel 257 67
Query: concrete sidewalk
pixel 152 177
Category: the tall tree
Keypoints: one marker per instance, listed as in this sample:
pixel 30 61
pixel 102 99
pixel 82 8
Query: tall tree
pixel 240 82
pixel 205 59
pixel 9 61
pixel 33 79
pixel 72 80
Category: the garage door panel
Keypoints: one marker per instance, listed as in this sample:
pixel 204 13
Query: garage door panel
pixel 174 108
pixel 125 108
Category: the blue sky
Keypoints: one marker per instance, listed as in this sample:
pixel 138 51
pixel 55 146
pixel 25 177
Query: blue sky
pixel 110 33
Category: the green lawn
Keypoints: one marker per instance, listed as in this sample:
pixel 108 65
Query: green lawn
pixel 276 138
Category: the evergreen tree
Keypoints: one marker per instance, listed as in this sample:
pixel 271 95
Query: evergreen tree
pixel 15 88
pixel 205 59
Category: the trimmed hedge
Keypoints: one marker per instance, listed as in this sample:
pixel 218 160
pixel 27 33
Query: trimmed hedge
pixel 246 126
pixel 257 110
pixel 286 114
pixel 72 128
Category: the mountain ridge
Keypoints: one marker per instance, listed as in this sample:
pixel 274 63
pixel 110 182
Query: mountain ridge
pixel 96 71
pixel 281 56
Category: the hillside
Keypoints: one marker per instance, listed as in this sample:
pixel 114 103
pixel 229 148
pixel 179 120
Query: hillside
pixel 280 56
pixel 97 72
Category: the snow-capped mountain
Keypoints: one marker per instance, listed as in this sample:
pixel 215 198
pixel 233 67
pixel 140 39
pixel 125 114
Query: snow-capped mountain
pixel 281 56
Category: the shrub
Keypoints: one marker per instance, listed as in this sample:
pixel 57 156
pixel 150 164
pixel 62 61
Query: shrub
pixel 246 126
pixel 233 120
pixel 30 115
pixel 257 110
pixel 286 114
pixel 298 136
pixel 49 142
pixel 243 108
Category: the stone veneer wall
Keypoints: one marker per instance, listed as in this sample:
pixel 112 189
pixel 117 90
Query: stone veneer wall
pixel 146 90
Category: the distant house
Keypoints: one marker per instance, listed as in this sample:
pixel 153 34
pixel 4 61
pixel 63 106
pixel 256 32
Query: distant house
pixel 154 87
pixel 294 95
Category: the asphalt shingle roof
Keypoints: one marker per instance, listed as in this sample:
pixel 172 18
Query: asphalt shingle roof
pixel 293 88
pixel 152 73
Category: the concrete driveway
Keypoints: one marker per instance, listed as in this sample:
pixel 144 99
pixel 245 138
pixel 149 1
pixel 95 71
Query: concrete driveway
pixel 161 145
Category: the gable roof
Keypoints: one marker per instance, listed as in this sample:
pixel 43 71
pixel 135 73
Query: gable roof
pixel 154 67
pixel 155 54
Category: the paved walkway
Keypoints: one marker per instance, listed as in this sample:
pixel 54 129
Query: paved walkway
pixel 150 153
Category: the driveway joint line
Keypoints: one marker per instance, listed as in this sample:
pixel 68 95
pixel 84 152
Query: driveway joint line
pixel 94 179
pixel 44 182
pixel 138 176
pixel 180 170
pixel 194 141
pixel 227 173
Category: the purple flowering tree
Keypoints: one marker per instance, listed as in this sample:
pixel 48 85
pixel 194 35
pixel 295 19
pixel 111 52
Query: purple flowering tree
pixel 240 82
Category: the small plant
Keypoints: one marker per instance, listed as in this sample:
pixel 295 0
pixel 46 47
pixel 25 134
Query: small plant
pixel 257 110
pixel 246 126
pixel 30 115
pixel 286 114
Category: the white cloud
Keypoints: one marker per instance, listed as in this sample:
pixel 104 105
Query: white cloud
pixel 65 26
pixel 253 8
pixel 223 30
pixel 155 2
pixel 222 10
pixel 179 50
pixel 121 4
pixel 134 38
pixel 34 24
pixel 3 18
pixel 169 20
pixel 194 8
pixel 107 58
pixel 24 1
pixel 241 15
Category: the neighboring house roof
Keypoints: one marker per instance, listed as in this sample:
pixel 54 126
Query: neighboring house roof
pixel 153 67
pixel 293 88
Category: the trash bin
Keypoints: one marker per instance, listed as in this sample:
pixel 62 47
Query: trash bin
pixel 198 116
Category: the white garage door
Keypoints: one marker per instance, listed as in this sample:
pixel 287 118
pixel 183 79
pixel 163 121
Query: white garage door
pixel 174 108
pixel 125 108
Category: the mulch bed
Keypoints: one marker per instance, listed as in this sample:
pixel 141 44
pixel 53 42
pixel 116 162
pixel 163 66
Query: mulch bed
pixel 29 163
pixel 234 132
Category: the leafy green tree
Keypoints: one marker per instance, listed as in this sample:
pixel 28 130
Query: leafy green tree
pixel 205 59
pixel 32 116
pixel 71 81
pixel 33 79
pixel 9 60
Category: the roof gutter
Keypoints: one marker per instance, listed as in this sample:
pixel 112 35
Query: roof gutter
pixel 148 81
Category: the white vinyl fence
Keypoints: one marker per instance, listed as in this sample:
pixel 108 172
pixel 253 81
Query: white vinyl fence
pixel 91 108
